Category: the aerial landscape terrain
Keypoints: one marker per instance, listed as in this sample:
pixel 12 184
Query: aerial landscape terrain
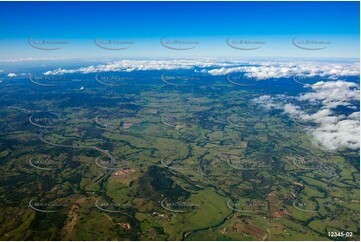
pixel 156 155
pixel 178 147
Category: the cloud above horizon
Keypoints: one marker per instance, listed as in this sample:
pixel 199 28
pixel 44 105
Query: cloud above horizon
pixel 261 70
pixel 145 65
pixel 267 70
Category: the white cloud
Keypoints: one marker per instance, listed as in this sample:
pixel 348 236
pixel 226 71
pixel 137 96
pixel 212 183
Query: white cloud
pixel 342 133
pixel 292 110
pixel 14 60
pixel 144 65
pixel 266 70
pixel 223 70
pixel 12 75
pixel 255 70
pixel 267 102
pixel 331 130
pixel 332 94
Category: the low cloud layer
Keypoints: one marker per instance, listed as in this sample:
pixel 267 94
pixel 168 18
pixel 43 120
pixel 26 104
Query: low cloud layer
pixel 267 70
pixel 331 130
pixel 29 59
pixel 144 65
pixel 254 70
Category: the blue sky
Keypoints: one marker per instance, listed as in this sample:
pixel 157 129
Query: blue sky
pixel 209 23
